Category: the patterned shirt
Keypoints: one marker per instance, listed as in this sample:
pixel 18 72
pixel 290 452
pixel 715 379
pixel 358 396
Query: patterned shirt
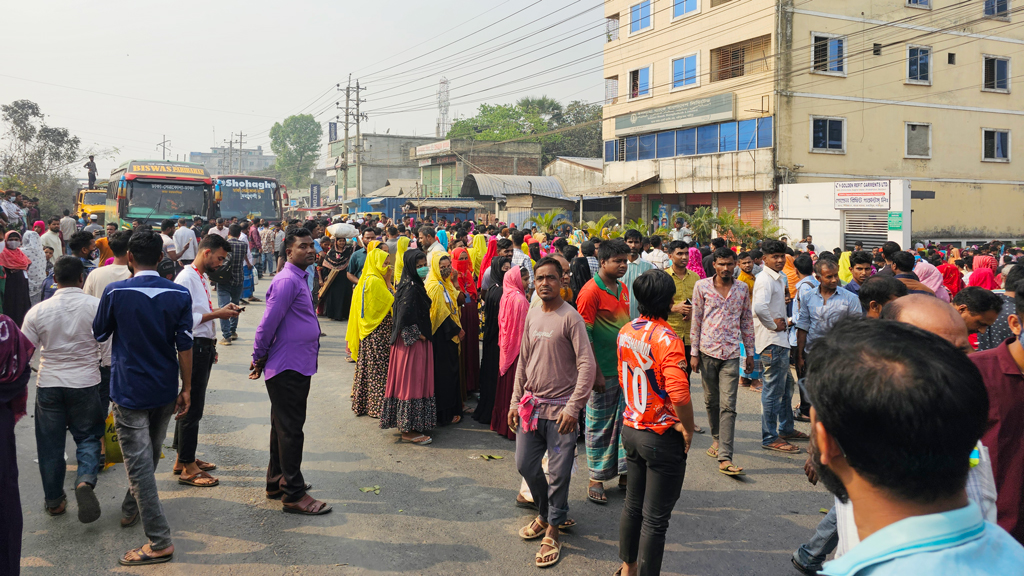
pixel 267 239
pixel 654 360
pixel 255 244
pixel 633 271
pixel 684 292
pixel 604 312
pixel 521 259
pixel 238 251
pixel 720 324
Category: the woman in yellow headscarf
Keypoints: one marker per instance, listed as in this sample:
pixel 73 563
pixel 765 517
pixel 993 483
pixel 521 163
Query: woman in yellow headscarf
pixel 477 251
pixel 845 274
pixel 369 334
pixel 446 328
pixel 403 245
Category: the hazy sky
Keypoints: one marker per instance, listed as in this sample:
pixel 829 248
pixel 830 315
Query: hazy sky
pixel 122 74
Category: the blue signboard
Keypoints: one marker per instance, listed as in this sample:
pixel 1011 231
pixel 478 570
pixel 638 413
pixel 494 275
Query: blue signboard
pixel 332 131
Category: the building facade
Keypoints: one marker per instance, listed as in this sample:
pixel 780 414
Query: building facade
pixel 225 160
pixel 719 102
pixel 445 164
pixel 381 157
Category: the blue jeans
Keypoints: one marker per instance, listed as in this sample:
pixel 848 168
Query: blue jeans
pixel 777 395
pixel 226 295
pixel 269 262
pixel 59 410
pixel 826 537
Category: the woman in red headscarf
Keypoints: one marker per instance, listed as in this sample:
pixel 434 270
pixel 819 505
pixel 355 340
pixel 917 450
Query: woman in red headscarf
pixel 485 264
pixel 985 278
pixel 16 294
pixel 469 353
pixel 952 279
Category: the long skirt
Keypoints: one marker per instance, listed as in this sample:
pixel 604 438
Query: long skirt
pixel 409 398
pixel 372 370
pixel 10 500
pixel 338 299
pixel 502 398
pixel 606 456
pixel 488 383
pixel 16 299
pixel 469 353
pixel 446 381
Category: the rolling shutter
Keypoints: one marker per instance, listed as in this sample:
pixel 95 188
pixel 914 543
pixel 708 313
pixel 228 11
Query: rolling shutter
pixel 869 226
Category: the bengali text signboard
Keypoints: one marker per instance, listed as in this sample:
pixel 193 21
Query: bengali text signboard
pixel 690 113
pixel 862 195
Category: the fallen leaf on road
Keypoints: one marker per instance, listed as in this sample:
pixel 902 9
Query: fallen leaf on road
pixel 823 510
pixel 490 457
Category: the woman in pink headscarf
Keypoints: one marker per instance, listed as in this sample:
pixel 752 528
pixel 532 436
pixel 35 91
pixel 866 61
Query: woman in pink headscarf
pixel 695 263
pixel 931 277
pixel 511 324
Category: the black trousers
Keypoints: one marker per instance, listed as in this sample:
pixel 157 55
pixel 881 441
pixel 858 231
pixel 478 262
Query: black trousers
pixel 288 393
pixel 656 464
pixel 186 430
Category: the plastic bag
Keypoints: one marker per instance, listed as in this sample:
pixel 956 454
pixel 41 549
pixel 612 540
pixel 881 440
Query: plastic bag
pixel 342 230
pixel 113 448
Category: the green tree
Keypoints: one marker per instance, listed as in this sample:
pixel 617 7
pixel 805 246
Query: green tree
pixel 498 122
pixel 547 108
pixel 702 223
pixel 583 141
pixel 37 159
pixel 546 222
pixel 296 142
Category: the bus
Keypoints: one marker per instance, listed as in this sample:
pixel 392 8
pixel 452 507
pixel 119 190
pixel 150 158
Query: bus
pixel 150 191
pixel 248 197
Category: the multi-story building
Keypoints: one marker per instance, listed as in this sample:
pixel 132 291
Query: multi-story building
pixel 719 102
pixel 374 159
pixel 226 160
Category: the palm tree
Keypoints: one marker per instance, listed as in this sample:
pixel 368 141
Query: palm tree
pixel 593 228
pixel 546 222
pixel 639 225
pixel 547 108
pixel 702 223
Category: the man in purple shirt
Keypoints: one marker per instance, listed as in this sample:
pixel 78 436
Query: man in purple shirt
pixel 286 347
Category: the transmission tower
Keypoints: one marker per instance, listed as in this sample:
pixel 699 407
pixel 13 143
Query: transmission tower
pixel 442 108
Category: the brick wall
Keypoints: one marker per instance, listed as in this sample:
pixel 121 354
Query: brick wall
pixel 504 164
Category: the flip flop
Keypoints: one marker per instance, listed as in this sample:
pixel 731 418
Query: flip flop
pixel 697 429
pixel 732 470
pixel 569 523
pixel 796 435
pixel 421 440
pixel 192 480
pixel 712 452
pixel 88 505
pixel 781 446
pixel 599 489
pixel 144 559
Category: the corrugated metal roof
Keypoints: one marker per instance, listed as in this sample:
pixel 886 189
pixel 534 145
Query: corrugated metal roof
pixel 396 188
pixel 446 204
pixel 501 185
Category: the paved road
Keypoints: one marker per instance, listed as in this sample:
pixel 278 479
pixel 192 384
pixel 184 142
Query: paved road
pixel 441 509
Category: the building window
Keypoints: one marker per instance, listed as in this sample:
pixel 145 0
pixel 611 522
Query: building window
pixel 828 135
pixel 707 139
pixel 747 57
pixel 611 90
pixel 951 59
pixel 611 28
pixel 996 145
pixel 727 137
pixel 640 17
pixel 686 142
pixel 997 74
pixel 684 7
pixel 919 4
pixel 611 150
pixel 747 134
pixel 829 54
pixel 997 8
pixel 876 49
pixel 715 3
pixel 647 147
pixel 764 132
pixel 640 83
pixel 666 144
pixel 918 70
pixel 631 149
pixel 685 72
pixel 919 140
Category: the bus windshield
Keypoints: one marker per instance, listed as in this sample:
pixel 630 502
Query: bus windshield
pixel 94 198
pixel 247 198
pixel 151 199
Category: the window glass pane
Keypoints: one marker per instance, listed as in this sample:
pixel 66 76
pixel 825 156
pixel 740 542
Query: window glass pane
pixel 684 71
pixel 631 149
pixel 643 81
pixel 764 132
pixel 835 134
pixel 1002 75
pixel 610 152
pixel 707 139
pixel 634 18
pixel 818 129
pixel 727 137
pixel 647 144
pixel 666 144
pixel 747 139
pixel 645 14
pixel 835 55
pixel 686 142
pixel 680 7
pixel 640 16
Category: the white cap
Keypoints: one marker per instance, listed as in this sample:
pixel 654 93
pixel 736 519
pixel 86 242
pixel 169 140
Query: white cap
pixel 94 217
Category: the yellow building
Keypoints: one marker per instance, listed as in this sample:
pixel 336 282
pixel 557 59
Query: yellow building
pixel 718 102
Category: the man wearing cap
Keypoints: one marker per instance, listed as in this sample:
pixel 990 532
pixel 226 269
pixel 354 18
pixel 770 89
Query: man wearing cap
pixel 94 225
pixel 681 232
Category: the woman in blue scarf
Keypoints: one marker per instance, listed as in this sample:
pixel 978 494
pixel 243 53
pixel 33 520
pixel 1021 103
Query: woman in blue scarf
pixel 442 237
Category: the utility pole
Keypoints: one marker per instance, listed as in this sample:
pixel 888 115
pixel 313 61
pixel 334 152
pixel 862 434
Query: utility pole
pixel 164 146
pixel 231 153
pixel 240 145
pixel 343 184
pixel 359 145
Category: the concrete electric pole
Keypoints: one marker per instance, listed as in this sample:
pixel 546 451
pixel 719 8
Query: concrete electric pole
pixel 164 146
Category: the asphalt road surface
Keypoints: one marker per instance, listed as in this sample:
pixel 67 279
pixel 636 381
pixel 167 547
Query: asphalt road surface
pixel 441 508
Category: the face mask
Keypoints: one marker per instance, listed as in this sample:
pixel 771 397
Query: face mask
pixel 422 271
pixel 94 254
pixel 14 244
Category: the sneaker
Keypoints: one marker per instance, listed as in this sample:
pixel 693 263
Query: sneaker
pixel 224 342
pixel 234 335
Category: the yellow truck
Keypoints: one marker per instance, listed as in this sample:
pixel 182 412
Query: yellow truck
pixel 91 202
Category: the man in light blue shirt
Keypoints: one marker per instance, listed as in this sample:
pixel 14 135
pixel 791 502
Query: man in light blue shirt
pixel 873 381
pixel 820 309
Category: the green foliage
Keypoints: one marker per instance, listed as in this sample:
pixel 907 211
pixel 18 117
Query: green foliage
pixel 296 142
pixel 498 122
pixel 701 223
pixel 546 222
pixel 600 227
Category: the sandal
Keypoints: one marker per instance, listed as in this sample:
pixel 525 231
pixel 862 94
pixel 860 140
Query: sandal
pixel 557 552
pixel 524 503
pixel 59 509
pixel 308 506
pixel 194 480
pixel 569 523
pixel 276 494
pixel 732 470
pixel 697 429
pixel 712 452
pixel 456 419
pixel 796 435
pixel 144 558
pixel 529 533
pixel 781 446
pixel 421 440
pixel 204 466
pixel 596 494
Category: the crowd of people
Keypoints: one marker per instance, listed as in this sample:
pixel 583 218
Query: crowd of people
pixel 905 364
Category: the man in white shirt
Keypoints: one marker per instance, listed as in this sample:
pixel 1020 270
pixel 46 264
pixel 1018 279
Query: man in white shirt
pixel 95 283
pixel 68 227
pixel 772 343
pixel 167 236
pixel 185 243
pixel 656 256
pixel 67 395
pixel 681 232
pixel 220 229
pixel 51 239
pixel 212 252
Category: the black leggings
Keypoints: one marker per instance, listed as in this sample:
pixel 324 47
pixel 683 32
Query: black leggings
pixel 656 465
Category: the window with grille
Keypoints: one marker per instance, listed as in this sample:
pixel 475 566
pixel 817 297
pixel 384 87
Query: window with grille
pixel 918 65
pixel 640 16
pixel 640 82
pixel 743 58
pixel 999 8
pixel 828 54
pixel 996 145
pixel 919 140
pixel 827 135
pixel 611 90
pixel 612 27
pixel 997 74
